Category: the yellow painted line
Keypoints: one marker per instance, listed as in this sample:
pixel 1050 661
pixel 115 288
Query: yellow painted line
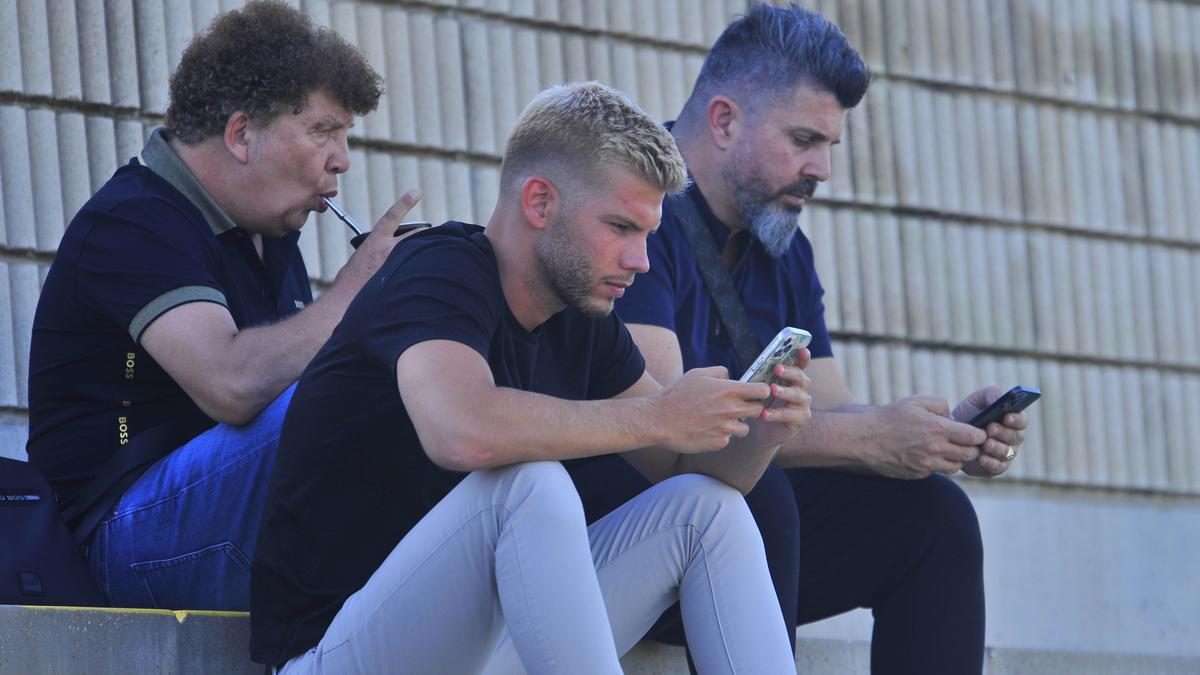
pixel 180 615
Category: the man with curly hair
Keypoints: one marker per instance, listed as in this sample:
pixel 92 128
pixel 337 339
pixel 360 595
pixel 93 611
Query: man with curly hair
pixel 178 313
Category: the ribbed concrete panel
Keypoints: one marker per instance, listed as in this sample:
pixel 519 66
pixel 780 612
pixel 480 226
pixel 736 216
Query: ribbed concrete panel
pixel 871 282
pixel 1137 461
pixel 1083 276
pixel 624 70
pixel 1007 279
pixel 399 77
pixel 1096 212
pixel 1131 176
pixel 481 131
pixel 503 76
pixel 691 23
pixel 958 273
pixel 921 51
pixel 873 147
pixel 575 65
pixel 1085 50
pixel 595 15
pixel 1053 412
pixel 1041 274
pixel 1017 280
pixel 1187 66
pixel 1187 315
pixel 179 27
pixel 924 383
pixel 879 373
pixel 34 35
pixel 131 138
pixel 620 16
pixel 1115 460
pixel 92 52
pixel 599 58
pixel 870 40
pixel 1079 455
pixel 1063 263
pixel 1034 463
pixel 1164 56
pixel 1121 271
pixel 1143 304
pixel 945 371
pixel 676 85
pixel 892 275
pixel 1175 432
pixel 1173 183
pixel 64 50
pixel 1113 190
pixel 650 85
pixel 1146 76
pixel 968 153
pixel 1050 152
pixel 820 220
pixel 1104 316
pixel 929 162
pixel 1075 205
pixel 984 311
pixel 860 166
pixel 24 286
pixel 1101 28
pixel 897 37
pixel 932 256
pixel 459 200
pixel 382 188
pixel 525 61
pixel 47 177
pixel 940 39
pixel 1095 396
pixel 123 67
pixel 408 174
pixel 343 19
pixel 1065 69
pixel 573 13
pixel 900 363
pixel 853 358
pixel 916 280
pixel 101 150
pixel 10 48
pixel 450 81
pixel 1025 57
pixel 204 11
pixel 1166 316
pixel 963 54
pixel 1192 403
pixel 1150 143
pixel 434 188
pixel 317 10
pixel 1193 291
pixel 904 128
pixel 1155 429
pixel 8 373
pixel 1000 36
pixel 19 218
pixel 1190 149
pixel 1012 200
pixel 426 89
pixel 152 56
pixel 645 19
pixel 485 190
pixel 850 279
pixel 1123 53
pixel 1044 66
pixel 369 26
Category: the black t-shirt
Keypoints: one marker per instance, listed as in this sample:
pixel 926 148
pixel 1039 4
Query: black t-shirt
pixel 146 242
pixel 351 478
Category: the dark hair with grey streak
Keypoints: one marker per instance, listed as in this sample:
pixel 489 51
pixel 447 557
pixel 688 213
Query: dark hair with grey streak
pixel 761 58
pixel 263 60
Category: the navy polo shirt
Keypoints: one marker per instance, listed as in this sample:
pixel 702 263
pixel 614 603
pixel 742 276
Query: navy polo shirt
pixel 775 292
pixel 351 478
pixel 149 240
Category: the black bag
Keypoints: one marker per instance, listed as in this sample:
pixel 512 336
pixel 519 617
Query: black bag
pixel 39 561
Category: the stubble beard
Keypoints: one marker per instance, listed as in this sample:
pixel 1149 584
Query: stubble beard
pixel 567 271
pixel 773 223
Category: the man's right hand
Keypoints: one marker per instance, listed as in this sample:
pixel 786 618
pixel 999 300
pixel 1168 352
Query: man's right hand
pixel 375 249
pixel 916 437
pixel 703 409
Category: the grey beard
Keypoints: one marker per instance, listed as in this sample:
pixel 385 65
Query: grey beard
pixel 774 229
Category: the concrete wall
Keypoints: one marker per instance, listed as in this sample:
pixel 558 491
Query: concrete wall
pixel 1014 202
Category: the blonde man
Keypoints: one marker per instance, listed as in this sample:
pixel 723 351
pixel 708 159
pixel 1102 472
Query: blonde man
pixel 419 519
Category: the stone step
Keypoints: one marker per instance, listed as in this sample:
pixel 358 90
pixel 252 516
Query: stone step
pixel 102 641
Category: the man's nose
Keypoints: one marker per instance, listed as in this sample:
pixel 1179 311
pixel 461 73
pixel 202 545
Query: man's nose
pixel 339 159
pixel 818 164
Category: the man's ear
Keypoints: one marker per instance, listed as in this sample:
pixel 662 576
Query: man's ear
pixel 539 199
pixel 724 120
pixel 238 135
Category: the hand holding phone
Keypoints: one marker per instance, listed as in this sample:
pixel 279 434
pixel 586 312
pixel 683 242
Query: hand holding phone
pixel 785 349
pixel 1014 400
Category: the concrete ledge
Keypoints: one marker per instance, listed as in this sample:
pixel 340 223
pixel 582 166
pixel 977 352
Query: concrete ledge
pixel 99 641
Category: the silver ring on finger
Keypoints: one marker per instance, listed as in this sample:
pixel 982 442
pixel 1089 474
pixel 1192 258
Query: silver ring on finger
pixel 1012 452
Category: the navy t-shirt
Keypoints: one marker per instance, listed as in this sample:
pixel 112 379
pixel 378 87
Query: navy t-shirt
pixel 138 248
pixel 775 292
pixel 351 478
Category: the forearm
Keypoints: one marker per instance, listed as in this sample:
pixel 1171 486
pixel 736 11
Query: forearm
pixel 739 465
pixel 840 438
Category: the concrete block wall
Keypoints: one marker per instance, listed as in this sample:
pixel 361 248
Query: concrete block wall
pixel 1015 200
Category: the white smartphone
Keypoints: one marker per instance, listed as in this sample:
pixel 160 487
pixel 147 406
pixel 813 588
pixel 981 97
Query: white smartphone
pixel 785 349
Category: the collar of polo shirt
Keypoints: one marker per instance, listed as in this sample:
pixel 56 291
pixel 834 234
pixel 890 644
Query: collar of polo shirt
pixel 162 160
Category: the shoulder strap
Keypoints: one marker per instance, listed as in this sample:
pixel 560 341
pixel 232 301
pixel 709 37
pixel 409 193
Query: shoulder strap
pixel 716 278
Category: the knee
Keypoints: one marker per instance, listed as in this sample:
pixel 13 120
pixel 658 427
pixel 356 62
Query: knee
pixel 949 517
pixel 544 487
pixel 707 502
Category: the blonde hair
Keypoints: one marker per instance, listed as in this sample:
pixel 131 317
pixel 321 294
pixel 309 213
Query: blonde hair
pixel 572 131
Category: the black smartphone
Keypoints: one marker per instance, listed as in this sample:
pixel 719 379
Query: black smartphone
pixel 1014 400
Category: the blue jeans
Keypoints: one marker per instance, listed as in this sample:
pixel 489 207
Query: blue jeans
pixel 183 534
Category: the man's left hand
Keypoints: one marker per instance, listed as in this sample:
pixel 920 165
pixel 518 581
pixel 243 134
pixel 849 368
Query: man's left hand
pixel 1004 437
pixel 791 408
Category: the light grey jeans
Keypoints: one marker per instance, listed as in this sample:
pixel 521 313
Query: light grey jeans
pixel 502 576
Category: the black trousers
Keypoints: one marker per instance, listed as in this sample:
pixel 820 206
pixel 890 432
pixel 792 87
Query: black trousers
pixel 836 541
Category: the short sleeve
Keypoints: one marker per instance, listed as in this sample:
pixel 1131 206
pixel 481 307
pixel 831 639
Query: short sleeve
pixel 436 288
pixel 143 257
pixel 616 362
